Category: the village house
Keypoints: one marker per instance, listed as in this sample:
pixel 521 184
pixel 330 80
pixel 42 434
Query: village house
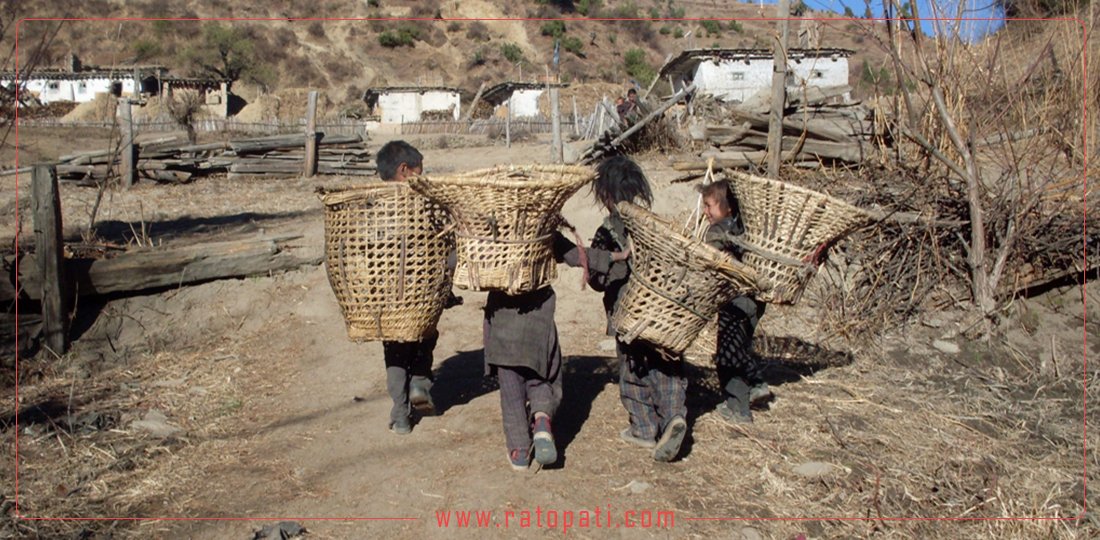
pixel 401 104
pixel 734 75
pixel 78 83
pixel 521 98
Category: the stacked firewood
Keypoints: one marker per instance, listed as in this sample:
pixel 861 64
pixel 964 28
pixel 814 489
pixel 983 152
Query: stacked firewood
pixel 171 161
pixel 815 131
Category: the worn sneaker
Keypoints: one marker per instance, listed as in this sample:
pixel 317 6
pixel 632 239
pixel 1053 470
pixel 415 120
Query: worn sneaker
pixel 627 435
pixel 401 426
pixel 669 443
pixel 760 394
pixel 736 415
pixel 421 400
pixel 519 458
pixel 545 450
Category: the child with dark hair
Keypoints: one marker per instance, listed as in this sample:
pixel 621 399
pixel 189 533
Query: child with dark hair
pixel 522 350
pixel 739 372
pixel 408 364
pixel 397 161
pixel 652 386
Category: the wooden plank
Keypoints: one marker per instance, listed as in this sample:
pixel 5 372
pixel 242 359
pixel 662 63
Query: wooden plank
pixel 473 104
pixel 310 168
pixel 173 267
pixel 50 268
pixel 278 142
pixel 20 170
pixel 556 150
pixel 795 126
pixel 724 160
pixel 779 91
pixel 127 166
pixel 854 151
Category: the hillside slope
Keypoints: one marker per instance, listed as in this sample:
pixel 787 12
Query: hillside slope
pixel 343 57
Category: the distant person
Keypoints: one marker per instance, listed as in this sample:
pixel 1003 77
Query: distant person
pixel 628 109
pixel 408 364
pixel 739 373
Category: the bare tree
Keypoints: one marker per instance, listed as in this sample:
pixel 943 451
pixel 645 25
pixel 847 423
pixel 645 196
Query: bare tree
pixel 185 107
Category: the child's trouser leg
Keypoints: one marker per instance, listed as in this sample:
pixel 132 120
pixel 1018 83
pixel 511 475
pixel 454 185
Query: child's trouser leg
pixel 513 407
pixel 735 359
pixel 397 357
pixel 545 394
pixel 420 372
pixel 635 392
pixel 668 388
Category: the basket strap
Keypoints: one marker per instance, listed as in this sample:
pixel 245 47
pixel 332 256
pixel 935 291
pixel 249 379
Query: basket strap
pixel 771 256
pixel 670 298
pixel 582 254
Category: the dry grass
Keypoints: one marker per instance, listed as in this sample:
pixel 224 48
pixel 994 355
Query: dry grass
pixel 80 456
pixel 910 434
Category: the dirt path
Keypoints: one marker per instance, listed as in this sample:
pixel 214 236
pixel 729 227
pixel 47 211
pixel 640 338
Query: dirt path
pixel 282 417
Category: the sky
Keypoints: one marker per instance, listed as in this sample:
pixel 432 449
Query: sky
pixel 976 9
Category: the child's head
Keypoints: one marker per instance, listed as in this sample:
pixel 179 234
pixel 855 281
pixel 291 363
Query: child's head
pixel 398 160
pixel 718 201
pixel 619 179
pixel 632 94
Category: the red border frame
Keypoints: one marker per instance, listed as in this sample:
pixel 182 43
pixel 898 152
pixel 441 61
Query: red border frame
pixel 823 518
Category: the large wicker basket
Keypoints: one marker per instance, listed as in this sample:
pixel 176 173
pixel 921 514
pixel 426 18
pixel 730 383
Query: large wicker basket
pixel 386 251
pixel 787 349
pixel 504 220
pixel 676 283
pixel 787 228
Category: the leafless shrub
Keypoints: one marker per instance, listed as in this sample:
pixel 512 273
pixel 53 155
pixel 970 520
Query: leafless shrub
pixel 185 107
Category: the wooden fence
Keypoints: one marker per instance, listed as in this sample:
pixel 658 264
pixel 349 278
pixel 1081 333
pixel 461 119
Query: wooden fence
pixel 330 127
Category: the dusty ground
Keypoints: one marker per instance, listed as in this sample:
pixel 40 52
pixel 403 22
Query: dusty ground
pixel 280 416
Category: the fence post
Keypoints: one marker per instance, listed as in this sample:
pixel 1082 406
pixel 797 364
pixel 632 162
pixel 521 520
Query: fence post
pixel 576 127
pixel 555 126
pixel 311 135
pixel 508 125
pixel 50 258
pixel 128 166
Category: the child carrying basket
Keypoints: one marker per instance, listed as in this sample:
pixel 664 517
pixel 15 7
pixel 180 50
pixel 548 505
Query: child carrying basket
pixel 505 223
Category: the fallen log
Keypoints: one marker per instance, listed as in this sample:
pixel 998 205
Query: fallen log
pixel 794 125
pixel 144 269
pixel 279 142
pixel 854 151
pixel 723 160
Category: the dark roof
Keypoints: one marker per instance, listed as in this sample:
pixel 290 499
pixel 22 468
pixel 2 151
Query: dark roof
pixel 689 59
pixel 378 90
pixel 193 82
pixel 71 76
pixel 499 93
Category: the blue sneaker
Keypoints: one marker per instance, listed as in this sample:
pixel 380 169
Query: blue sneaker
pixel 401 426
pixel 545 450
pixel 519 459
pixel 421 400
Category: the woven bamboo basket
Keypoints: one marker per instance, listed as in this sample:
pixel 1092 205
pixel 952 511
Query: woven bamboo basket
pixel 702 350
pixel 504 222
pixel 676 283
pixel 386 251
pixel 787 349
pixel 787 229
